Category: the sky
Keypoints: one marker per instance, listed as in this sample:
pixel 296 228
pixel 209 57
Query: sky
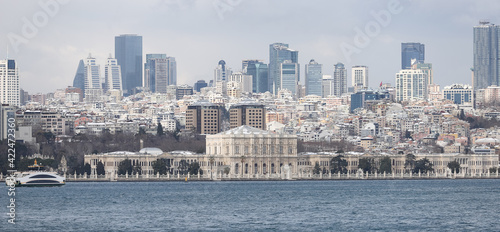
pixel 49 37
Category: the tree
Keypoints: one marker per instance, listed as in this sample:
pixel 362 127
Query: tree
pixel 454 166
pixel 100 169
pixel 86 169
pixel 125 167
pixel 136 169
pixel 493 170
pixel 227 170
pixel 159 130
pixel 183 167
pixel 194 168
pixel 366 164
pixel 386 165
pixel 338 164
pixel 160 166
pixel 316 169
pixel 409 161
pixel 423 166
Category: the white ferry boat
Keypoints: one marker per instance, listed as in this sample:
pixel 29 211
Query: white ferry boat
pixel 36 177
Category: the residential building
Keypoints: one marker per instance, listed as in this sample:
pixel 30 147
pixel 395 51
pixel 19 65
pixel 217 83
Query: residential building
pixel 204 117
pixel 411 84
pixel 359 77
pixel 248 113
pixel 9 83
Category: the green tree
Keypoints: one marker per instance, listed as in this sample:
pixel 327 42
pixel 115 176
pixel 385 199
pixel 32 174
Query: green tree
pixel 194 168
pixel 183 167
pixel 454 166
pixel 410 162
pixel 160 166
pixel 423 166
pixel 142 131
pixel 136 169
pixel 100 169
pixel 367 165
pixel 86 169
pixel 125 167
pixel 338 164
pixel 385 165
pixel 227 170
pixel 493 170
pixel 316 169
pixel 159 130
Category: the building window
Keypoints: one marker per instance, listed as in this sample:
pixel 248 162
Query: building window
pixel 237 150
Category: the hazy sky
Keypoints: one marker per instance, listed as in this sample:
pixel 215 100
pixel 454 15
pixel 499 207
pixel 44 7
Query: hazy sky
pixel 199 33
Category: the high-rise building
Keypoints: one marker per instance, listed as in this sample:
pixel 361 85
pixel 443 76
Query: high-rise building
pixel 9 83
pixel 339 80
pixel 427 69
pixel 289 76
pixel 359 77
pixel 411 51
pixel 486 51
pixel 172 71
pixel 199 85
pixel 314 78
pixel 92 74
pixel 204 117
pixel 327 86
pixel 221 73
pixel 128 52
pixel 249 113
pixel 244 81
pixel 79 81
pixel 156 73
pixel 279 53
pixel 259 72
pixel 411 84
pixel 112 75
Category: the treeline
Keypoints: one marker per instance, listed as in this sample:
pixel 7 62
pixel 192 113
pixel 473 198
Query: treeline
pixel 76 147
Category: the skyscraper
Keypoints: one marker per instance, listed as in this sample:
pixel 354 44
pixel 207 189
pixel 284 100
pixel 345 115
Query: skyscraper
pixel 128 52
pixel 359 77
pixel 486 51
pixel 156 73
pixel 199 85
pixel 79 81
pixel 112 75
pixel 314 78
pixel 92 74
pixel 278 53
pixel 339 80
pixel 172 71
pixel 221 73
pixel 259 72
pixel 289 76
pixel 411 51
pixel 9 83
pixel 411 84
pixel 327 86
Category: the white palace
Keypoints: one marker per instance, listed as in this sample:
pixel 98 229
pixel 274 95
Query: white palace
pixel 247 152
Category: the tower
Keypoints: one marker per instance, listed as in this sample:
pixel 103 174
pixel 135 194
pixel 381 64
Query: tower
pixel 112 75
pixel 359 77
pixel 411 51
pixel 339 80
pixel 278 53
pixel 128 53
pixel 314 78
pixel 9 83
pixel 486 51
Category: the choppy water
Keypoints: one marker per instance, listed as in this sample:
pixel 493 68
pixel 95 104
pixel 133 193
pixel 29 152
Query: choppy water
pixel 387 205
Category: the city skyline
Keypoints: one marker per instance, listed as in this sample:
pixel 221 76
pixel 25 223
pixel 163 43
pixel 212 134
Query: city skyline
pixel 216 32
